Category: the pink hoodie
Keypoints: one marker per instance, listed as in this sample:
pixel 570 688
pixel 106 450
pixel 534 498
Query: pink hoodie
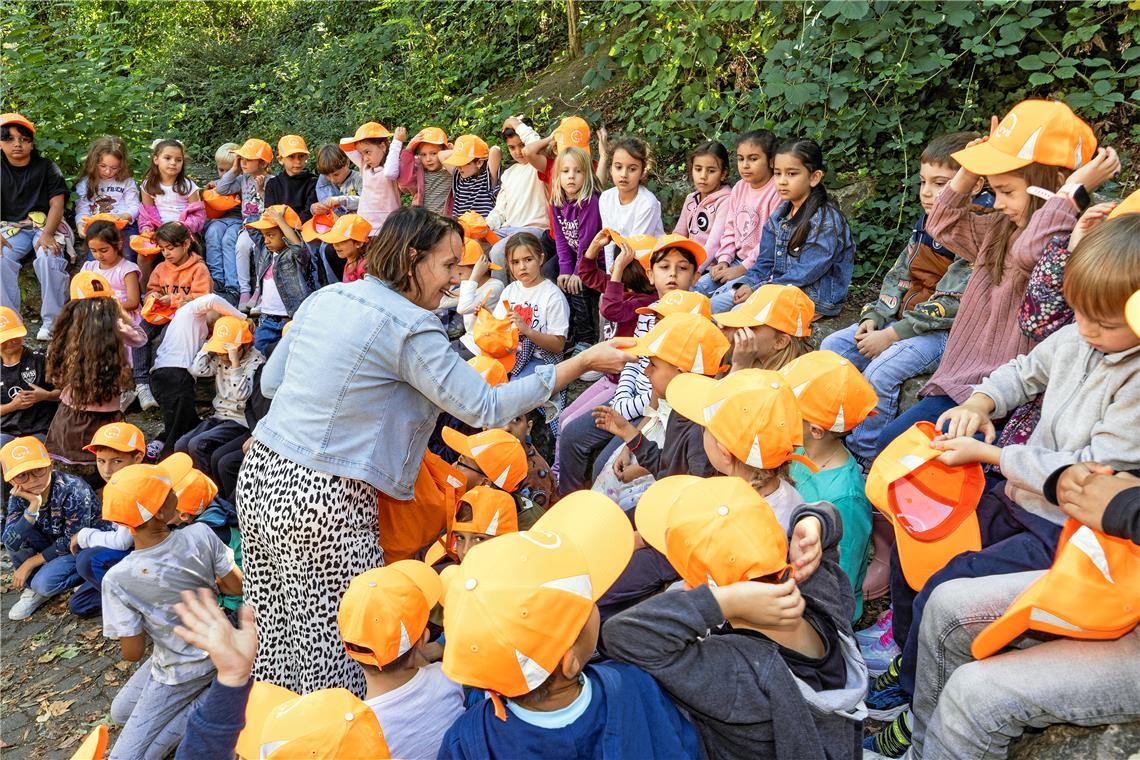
pixel 747 211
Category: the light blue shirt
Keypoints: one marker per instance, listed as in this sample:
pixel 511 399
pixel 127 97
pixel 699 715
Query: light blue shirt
pixel 557 718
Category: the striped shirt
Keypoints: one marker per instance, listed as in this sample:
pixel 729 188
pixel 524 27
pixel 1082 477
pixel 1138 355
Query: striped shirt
pixel 437 187
pixel 473 193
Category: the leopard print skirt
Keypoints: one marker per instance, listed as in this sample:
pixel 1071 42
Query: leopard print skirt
pixel 305 535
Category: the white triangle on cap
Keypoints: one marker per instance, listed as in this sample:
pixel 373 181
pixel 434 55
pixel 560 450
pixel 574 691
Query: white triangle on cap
pixel 762 315
pixel 405 640
pixel 133 441
pixel 911 462
pixel 502 476
pixel 655 346
pixel 493 528
pixel 755 457
pixel 477 450
pixel 1030 145
pixel 1086 541
pixel 485 372
pixel 1077 154
pixel 453 481
pixel 578 585
pixel 146 514
pixel 696 309
pixel 839 421
pixel 710 410
pixel 709 580
pixel 533 673
pixel 1039 615
pixel 699 361
pixel 799 389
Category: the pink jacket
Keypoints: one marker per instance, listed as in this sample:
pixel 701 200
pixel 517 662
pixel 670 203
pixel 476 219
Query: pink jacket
pixel 193 217
pixel 703 219
pixel 412 181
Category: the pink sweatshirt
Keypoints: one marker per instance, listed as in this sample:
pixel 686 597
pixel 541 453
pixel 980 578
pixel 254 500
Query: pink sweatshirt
pixel 747 211
pixel 985 334
pixel 380 191
pixel 703 219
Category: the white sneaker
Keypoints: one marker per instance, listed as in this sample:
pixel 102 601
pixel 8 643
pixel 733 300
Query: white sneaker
pixel 146 398
pixel 29 602
pixel 126 398
pixel 44 334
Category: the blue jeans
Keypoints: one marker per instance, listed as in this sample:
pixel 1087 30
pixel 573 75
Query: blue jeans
pixel 268 331
pixel 929 409
pixel 50 270
pixel 221 251
pixel 886 373
pixel 57 575
pixel 92 564
pixel 721 299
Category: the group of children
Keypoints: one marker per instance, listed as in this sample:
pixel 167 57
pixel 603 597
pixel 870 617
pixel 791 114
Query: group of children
pixel 578 585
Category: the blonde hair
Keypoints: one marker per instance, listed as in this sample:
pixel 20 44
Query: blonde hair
pixel 758 478
pixel 558 196
pixel 797 347
pixel 224 153
pixel 1104 269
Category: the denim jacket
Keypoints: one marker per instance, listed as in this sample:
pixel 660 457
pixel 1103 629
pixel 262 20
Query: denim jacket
pixel 291 269
pixel 821 266
pixel 359 379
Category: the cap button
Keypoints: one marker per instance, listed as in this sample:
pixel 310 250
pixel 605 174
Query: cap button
pixel 470 584
pixel 775 386
pixel 372 584
pixel 722 510
pixel 349 716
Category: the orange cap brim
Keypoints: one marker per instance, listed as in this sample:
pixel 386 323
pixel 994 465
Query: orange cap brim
pixel 984 159
pixel 652 512
pixel 922 559
pixel 594 523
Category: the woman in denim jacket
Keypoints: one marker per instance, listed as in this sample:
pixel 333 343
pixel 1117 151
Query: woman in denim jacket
pixel 357 383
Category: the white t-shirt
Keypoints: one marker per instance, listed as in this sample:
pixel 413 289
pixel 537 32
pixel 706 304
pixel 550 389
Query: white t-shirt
pixel 187 331
pixel 271 303
pixel 641 217
pixel 784 501
pixel 415 716
pixel 170 204
pixel 545 304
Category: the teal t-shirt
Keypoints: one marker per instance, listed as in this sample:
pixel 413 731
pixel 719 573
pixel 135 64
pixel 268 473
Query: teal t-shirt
pixel 844 487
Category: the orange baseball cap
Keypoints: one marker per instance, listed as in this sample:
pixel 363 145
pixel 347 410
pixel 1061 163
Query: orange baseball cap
pixel 144 245
pixel 679 301
pixel 489 369
pixel 518 602
pixel 498 453
pixel 20 455
pixel 229 332
pixel 687 341
pixel 16 118
pixel 713 531
pixel 90 284
pixel 217 204
pixel 120 436
pixel 318 225
pixel 1132 312
pixel 94 746
pixel 370 130
pixel 255 149
pixel 193 488
pixel 348 227
pixel 493 512
pixel 1130 205
pixel 676 241
pixel 931 505
pixel 475 227
pixel 429 135
pixel 472 252
pixel 1034 131
pixel 119 222
pixel 467 148
pixel 385 610
pixel 831 391
pixel 135 494
pixel 753 413
pixel 290 145
pixel 155 312
pixel 572 132
pixel 329 723
pixel 782 307
pixel 263 223
pixel 11 326
pixel 1092 591
pixel 642 245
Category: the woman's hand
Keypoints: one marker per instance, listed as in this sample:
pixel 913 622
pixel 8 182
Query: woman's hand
pixel 765 605
pixel 969 418
pixel 1089 221
pixel 608 357
pixel 1103 166
pixel 965 450
pixel 570 283
pixel 805 550
pixel 204 625
pixel 613 423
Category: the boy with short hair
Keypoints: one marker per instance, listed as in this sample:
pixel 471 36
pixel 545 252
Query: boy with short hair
pixel 296 186
pixel 45 510
pixel 904 332
pixel 139 598
pixel 282 279
pixel 383 620
pixel 338 186
pixel 29 401
pixel 521 622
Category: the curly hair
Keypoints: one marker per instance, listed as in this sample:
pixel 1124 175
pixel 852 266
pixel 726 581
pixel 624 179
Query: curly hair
pixel 86 354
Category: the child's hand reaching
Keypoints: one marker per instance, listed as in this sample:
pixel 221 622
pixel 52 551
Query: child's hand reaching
pixel 804 550
pixel 971 417
pixel 522 324
pixel 765 605
pixel 965 450
pixel 570 283
pixel 1103 166
pixel 1089 221
pixel 481 267
pixel 1084 491
pixel 625 257
pixel 601 240
pixel 401 134
pixel 205 626
pixel 607 419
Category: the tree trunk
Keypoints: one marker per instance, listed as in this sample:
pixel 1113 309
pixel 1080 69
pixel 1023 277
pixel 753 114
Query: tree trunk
pixel 572 28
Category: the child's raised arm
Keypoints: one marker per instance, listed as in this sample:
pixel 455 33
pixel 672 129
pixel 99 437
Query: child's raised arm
pixel 392 160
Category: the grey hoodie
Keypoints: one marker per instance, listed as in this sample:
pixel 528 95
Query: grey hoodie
pixel 738 691
pixel 1090 412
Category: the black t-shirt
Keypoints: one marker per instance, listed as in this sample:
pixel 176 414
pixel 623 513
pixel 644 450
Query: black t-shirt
pixel 298 192
pixel 28 188
pixel 820 674
pixel 20 377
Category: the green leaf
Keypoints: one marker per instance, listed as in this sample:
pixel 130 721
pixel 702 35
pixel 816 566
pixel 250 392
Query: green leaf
pixel 1031 63
pixel 1039 78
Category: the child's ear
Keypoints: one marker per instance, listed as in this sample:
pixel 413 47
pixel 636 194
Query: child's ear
pixel 571 665
pixel 724 452
pixel 817 432
pixel 139 456
pixel 978 186
pixel 783 340
pixel 816 177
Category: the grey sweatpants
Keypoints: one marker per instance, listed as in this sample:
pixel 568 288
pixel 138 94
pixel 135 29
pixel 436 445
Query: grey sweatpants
pixel 155 729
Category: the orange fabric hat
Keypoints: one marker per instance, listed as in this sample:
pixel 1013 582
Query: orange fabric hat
pixel 290 216
pixel 371 130
pixel 406 527
pixel 120 436
pixel 264 698
pixel 94 746
pixel 1132 312
pixel 1092 591
pixel 932 505
pixel 291 145
pixel 683 301
pixel 15 118
pixel 193 488
pixel 1035 131
pixel 712 530
pixel 573 132
pixel 119 222
pixel 499 454
pixel 475 227
pixel 519 601
pixel 11 326
pixel 1130 205
pixel 493 512
pixel 494 337
pixel 782 307
pixel 135 494
pixel 144 245
pixel 642 245
pixel 90 285
pixel 687 341
pixel 430 136
pixel 753 413
pixel 229 332
pixel 22 454
pixel 347 227
pixel 467 148
pixel 330 723
pixel 489 369
pixel 155 312
pixel 318 225
pixel 255 149
pixel 676 241
pixel 832 392
pixel 217 204
pixel 386 610
pixel 472 252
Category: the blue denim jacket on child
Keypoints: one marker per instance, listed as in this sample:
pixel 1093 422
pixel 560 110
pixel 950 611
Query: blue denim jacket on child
pixel 821 266
pixel 359 379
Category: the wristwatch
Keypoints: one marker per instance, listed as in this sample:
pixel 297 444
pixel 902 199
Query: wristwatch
pixel 1077 194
